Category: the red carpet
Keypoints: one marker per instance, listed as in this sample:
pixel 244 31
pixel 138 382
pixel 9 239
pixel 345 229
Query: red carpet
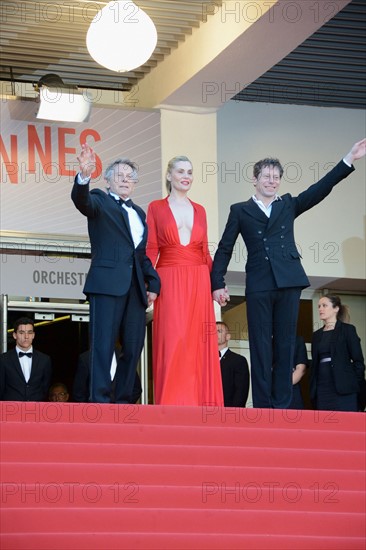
pixel 78 476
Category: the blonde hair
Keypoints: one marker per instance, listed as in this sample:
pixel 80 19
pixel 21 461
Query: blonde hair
pixel 171 165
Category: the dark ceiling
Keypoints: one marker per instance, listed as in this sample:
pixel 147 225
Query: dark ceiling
pixel 327 70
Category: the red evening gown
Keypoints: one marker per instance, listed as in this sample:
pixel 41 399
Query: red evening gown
pixel 186 364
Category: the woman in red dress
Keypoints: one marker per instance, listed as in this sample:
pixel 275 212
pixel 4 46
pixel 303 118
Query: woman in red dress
pixel 185 351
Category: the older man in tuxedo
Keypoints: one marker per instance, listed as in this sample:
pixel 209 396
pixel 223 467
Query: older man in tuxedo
pixel 274 274
pixel 25 373
pixel 121 282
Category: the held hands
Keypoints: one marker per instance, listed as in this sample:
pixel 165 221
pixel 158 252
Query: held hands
pixel 151 297
pixel 221 296
pixel 87 161
pixel 358 151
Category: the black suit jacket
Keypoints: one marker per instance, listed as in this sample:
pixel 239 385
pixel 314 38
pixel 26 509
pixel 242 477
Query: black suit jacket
pixel 114 256
pixel 273 259
pixel 235 379
pixel 13 386
pixel 348 365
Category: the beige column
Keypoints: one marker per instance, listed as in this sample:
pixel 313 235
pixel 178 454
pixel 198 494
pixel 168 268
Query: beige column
pixel 194 134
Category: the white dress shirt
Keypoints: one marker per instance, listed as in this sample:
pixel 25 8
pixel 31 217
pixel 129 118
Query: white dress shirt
pixel 113 366
pixel 25 362
pixel 136 225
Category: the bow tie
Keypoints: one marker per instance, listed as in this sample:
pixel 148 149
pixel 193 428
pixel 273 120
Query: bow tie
pixel 127 202
pixel 22 353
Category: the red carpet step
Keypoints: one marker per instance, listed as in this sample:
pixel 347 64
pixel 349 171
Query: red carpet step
pixel 104 477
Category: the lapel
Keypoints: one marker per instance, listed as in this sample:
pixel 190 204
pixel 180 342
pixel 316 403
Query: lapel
pixel 34 367
pixel 254 211
pixel 277 209
pixel 121 211
pixel 226 355
pixel 335 336
pixel 17 366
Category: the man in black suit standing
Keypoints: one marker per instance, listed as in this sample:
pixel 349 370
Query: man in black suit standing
pixel 274 274
pixel 234 370
pixel 25 373
pixel 121 282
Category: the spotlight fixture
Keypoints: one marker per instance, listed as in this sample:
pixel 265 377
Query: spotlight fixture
pixel 121 36
pixel 61 102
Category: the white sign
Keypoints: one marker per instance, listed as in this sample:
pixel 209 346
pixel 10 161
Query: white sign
pixel 43 276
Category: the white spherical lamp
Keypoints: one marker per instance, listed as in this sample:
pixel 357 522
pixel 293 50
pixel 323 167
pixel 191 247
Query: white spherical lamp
pixel 121 36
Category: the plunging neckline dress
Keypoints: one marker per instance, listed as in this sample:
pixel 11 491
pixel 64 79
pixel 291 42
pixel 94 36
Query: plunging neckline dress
pixel 186 366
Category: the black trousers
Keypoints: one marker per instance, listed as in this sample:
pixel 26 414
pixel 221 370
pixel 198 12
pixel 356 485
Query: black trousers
pixel 272 323
pixel 112 318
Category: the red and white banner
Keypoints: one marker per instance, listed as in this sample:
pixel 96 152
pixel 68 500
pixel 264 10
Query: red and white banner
pixel 38 163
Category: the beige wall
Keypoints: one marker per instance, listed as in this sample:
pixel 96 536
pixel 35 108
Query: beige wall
pixel 195 136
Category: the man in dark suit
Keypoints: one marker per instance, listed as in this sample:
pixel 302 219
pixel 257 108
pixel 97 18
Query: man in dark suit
pixel 274 274
pixel 121 282
pixel 234 370
pixel 81 384
pixel 25 373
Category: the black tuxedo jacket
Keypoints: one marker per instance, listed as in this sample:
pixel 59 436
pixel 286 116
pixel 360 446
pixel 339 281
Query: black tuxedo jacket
pixel 273 259
pixel 13 386
pixel 113 253
pixel 235 379
pixel 348 365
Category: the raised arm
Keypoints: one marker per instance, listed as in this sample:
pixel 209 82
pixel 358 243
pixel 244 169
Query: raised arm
pixel 80 192
pixel 357 152
pixel 87 161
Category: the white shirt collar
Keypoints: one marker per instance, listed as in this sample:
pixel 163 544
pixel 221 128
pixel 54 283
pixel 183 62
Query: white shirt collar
pixel 117 198
pixel 267 209
pixel 258 201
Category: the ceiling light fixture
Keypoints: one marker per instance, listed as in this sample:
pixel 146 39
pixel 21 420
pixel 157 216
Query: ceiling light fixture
pixel 61 102
pixel 121 36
